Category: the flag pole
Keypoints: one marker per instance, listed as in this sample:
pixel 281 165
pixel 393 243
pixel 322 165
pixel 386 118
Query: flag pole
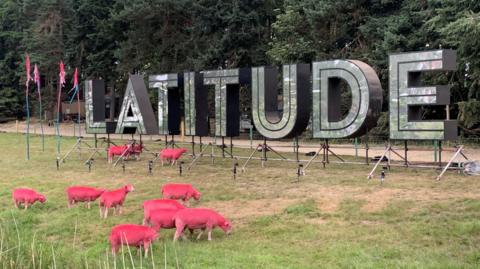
pixel 57 122
pixel 61 81
pixel 75 82
pixel 40 109
pixel 27 135
pixel 76 92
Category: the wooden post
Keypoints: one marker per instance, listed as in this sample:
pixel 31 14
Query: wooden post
pixel 223 147
pixel 440 153
pixel 193 146
pixel 367 161
pixel 296 149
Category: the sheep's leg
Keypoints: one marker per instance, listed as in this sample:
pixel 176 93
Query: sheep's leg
pixel 105 213
pixel 146 245
pixel 210 235
pixel 88 205
pixel 209 229
pixel 16 204
pixel 178 232
pixel 200 234
pixel 26 205
pixel 120 210
pixel 101 211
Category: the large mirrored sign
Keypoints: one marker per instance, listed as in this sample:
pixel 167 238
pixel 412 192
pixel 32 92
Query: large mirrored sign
pixel 227 98
pixel 196 105
pixel 136 114
pixel 366 93
pixel 407 95
pixel 95 107
pixel 293 119
pixel 168 102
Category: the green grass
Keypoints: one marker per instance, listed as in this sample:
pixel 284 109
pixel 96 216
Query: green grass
pixel 332 218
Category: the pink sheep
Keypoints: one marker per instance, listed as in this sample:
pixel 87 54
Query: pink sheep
pixel 166 155
pixel 180 192
pixel 82 194
pixel 132 235
pixel 162 218
pixel 171 155
pixel 113 199
pixel 177 153
pixel 136 150
pixel 27 197
pixel 199 218
pixel 117 150
pixel 156 204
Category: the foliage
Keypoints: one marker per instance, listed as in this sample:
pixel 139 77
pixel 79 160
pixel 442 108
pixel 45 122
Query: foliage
pixel 469 116
pixel 330 219
pixel 110 39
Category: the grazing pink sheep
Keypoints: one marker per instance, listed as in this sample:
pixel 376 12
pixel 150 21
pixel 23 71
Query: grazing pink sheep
pixel 82 194
pixel 117 150
pixel 171 155
pixel 199 218
pixel 162 218
pixel 166 155
pixel 177 153
pixel 150 205
pixel 113 199
pixel 136 150
pixel 27 197
pixel 180 192
pixel 132 235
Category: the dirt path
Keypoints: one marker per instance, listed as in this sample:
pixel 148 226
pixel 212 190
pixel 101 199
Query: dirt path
pixel 414 153
pixel 328 200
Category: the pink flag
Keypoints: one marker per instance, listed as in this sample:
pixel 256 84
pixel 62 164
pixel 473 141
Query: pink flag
pixel 36 75
pixel 75 77
pixel 62 73
pixel 75 82
pixel 27 67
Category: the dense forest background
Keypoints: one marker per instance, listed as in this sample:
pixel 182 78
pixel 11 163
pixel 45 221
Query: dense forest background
pixel 111 38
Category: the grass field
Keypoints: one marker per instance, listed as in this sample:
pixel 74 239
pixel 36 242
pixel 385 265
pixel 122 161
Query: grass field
pixel 332 218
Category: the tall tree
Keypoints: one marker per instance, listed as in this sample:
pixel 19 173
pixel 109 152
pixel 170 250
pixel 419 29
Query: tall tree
pixel 12 25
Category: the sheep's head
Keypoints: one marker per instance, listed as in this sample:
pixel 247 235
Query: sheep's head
pixel 129 188
pixel 226 226
pixel 42 198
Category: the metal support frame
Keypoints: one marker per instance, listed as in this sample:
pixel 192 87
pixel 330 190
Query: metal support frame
pixel 196 158
pixel 123 154
pixel 193 146
pixel 459 151
pixel 325 149
pixel 78 145
pixel 264 148
pixel 388 150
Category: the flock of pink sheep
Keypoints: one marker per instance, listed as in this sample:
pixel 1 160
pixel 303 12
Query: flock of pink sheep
pixel 165 213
